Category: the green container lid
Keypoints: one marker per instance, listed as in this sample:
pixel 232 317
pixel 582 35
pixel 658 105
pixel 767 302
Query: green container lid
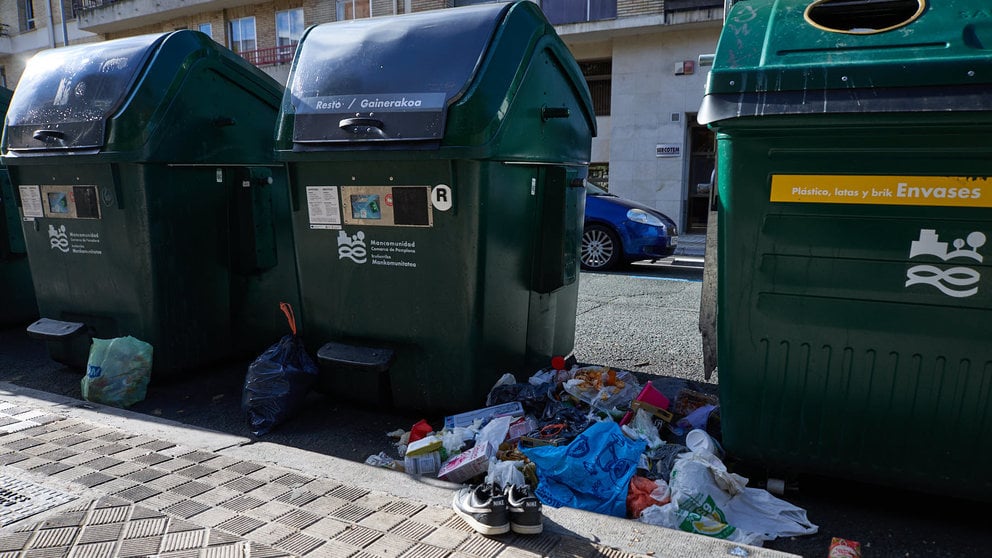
pixel 115 97
pixel 437 81
pixel 780 57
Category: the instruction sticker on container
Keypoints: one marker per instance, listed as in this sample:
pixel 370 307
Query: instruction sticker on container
pixel 947 191
pixel 323 207
pixel 31 202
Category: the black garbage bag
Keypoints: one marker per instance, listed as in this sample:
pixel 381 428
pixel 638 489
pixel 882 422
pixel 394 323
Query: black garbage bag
pixel 533 398
pixel 278 381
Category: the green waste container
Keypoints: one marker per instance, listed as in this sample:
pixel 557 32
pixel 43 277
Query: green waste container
pixel 151 201
pixel 19 304
pixel 854 158
pixel 438 206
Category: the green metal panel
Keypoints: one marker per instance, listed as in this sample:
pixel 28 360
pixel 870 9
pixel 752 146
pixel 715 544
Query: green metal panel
pixel 181 234
pixel 484 278
pixel 19 303
pixel 854 296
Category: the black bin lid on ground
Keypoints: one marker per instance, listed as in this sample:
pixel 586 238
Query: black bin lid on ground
pixel 388 79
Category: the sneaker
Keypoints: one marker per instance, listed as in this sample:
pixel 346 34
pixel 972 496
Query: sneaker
pixel 483 507
pixel 524 509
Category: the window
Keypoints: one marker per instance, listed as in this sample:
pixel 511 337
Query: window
pixel 289 27
pixel 599 174
pixel 70 8
pixel 243 35
pixel 207 29
pixel 25 9
pixel 573 11
pixel 354 9
pixel 598 74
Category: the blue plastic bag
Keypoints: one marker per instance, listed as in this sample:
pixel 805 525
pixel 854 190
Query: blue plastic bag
pixel 278 381
pixel 591 473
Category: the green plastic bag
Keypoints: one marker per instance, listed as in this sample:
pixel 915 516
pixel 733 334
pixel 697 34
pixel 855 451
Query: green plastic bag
pixel 117 372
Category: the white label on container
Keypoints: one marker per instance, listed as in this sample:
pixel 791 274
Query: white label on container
pixel 324 207
pixel 31 202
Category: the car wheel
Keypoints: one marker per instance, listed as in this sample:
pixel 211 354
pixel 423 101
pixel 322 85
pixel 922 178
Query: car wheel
pixel 601 249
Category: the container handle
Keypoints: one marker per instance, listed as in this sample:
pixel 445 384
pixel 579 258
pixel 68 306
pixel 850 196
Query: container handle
pixel 49 136
pixel 547 113
pixel 362 125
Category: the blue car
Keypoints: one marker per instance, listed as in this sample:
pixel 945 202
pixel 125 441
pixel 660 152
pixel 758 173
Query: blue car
pixel 619 231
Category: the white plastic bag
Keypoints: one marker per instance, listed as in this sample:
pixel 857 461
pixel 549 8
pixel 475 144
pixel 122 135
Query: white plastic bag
pixel 505 473
pixel 494 433
pixel 709 500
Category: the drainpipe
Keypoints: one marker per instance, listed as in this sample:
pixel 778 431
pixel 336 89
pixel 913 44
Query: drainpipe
pixel 51 23
pixel 65 31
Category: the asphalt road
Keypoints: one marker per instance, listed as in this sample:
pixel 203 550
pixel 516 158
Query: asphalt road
pixel 644 320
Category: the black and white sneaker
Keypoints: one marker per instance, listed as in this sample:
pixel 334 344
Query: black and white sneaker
pixel 483 507
pixel 524 509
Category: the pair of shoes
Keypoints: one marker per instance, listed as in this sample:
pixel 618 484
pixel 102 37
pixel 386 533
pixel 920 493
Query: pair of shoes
pixel 493 511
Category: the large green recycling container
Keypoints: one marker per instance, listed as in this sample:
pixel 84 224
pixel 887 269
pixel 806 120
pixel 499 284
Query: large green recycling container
pixel 16 289
pixel 854 150
pixel 436 163
pixel 151 200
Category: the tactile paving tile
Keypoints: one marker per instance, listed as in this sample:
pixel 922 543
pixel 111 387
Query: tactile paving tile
pixel 351 512
pixel 243 467
pixel 20 499
pixel 298 519
pixel 297 497
pixel 421 550
pixel 15 419
pixel 542 544
pixel 358 536
pixel 299 544
pixel 412 530
pixel 403 508
pixel 484 547
pixel 350 493
pixel 107 529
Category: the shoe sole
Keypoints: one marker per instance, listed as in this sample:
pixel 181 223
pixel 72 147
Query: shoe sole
pixel 482 528
pixel 527 529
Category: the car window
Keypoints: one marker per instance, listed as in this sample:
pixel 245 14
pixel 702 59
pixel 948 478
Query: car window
pixel 593 190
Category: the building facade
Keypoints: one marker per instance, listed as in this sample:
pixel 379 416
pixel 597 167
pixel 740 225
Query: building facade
pixel 640 58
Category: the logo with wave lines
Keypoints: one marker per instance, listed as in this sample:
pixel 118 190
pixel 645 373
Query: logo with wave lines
pixel 957 281
pixel 58 238
pixel 352 247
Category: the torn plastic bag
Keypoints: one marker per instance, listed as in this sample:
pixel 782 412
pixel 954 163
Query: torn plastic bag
pixel 278 381
pixel 117 372
pixel 591 473
pixel 709 500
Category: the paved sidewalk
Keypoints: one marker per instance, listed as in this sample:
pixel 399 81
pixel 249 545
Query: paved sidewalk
pixel 87 481
pixel 692 245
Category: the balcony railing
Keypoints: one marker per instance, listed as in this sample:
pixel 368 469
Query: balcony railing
pixel 78 6
pixel 270 56
pixel 683 5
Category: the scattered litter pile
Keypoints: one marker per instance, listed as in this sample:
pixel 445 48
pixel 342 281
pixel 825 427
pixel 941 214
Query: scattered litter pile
pixel 594 438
